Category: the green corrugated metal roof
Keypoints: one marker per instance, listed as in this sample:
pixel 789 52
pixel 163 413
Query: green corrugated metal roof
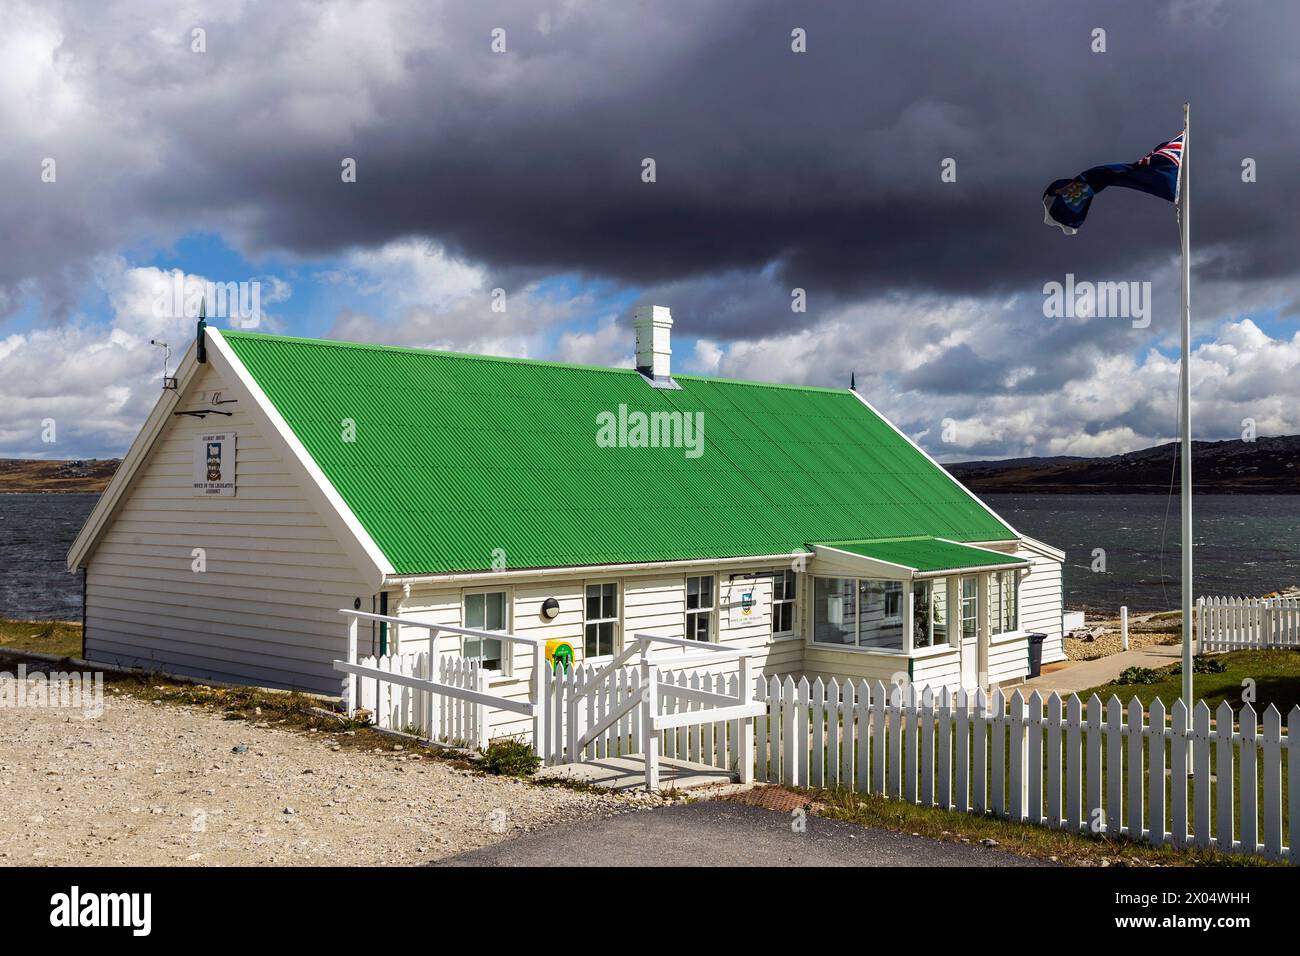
pixel 926 553
pixel 458 455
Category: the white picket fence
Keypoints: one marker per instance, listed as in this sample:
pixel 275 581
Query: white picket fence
pixel 430 715
pixel 1233 624
pixel 712 743
pixel 1099 768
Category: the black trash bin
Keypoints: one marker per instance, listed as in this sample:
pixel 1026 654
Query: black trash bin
pixel 1036 654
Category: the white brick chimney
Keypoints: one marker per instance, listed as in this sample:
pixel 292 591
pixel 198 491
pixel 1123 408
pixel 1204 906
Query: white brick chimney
pixel 654 352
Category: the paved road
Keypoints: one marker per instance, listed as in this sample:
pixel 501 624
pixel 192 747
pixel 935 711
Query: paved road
pixel 714 833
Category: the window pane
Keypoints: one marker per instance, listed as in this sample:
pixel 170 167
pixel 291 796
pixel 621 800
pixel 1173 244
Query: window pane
pixel 491 654
pixel 593 601
pixel 921 614
pixel 692 593
pixel 969 608
pixel 706 592
pixel 881 622
pixel 783 618
pixel 939 603
pixel 496 612
pixel 1009 582
pixel 591 641
pixel 835 612
pixel 609 601
pixel 474 611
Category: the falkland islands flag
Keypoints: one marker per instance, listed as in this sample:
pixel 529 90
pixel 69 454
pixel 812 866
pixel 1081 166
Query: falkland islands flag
pixel 1066 201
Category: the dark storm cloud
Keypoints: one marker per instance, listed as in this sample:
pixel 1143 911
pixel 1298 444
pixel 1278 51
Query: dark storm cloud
pixel 822 167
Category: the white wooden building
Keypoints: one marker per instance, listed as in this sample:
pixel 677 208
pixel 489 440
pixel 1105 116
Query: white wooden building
pixel 284 479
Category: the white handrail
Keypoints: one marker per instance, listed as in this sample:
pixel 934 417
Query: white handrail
pixel 702 646
pixel 537 699
pixel 451 629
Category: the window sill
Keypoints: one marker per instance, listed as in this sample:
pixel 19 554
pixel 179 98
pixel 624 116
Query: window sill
pixel 938 650
pixel 850 649
pixel 784 638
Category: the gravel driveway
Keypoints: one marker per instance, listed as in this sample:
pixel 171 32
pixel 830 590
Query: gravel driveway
pixel 157 784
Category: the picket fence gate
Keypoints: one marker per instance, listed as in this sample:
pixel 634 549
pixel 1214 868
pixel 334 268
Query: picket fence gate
pixel 1233 624
pixel 1099 769
pixel 711 743
pixel 429 715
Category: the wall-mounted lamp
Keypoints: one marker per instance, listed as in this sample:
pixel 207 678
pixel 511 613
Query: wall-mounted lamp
pixel 550 609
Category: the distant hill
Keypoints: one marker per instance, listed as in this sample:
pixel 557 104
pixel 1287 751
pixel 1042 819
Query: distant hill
pixel 44 475
pixel 1264 466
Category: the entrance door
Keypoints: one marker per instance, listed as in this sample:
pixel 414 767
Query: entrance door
pixel 970 639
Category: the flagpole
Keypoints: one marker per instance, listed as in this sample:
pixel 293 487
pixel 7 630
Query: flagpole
pixel 1185 403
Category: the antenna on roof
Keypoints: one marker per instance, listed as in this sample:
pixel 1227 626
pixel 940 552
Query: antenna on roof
pixel 169 381
pixel 202 355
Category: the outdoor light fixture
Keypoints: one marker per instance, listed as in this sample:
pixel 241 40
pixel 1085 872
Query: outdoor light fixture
pixel 550 609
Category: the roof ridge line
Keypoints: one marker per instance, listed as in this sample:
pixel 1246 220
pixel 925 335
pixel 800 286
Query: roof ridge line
pixel 248 335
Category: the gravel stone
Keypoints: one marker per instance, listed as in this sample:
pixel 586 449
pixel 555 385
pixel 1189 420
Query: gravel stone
pixel 145 784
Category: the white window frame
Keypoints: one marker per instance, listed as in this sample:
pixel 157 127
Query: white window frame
pixel 998 607
pixel 616 620
pixel 961 606
pixel 930 585
pixel 902 619
pixel 507 668
pixel 711 611
pixel 793 602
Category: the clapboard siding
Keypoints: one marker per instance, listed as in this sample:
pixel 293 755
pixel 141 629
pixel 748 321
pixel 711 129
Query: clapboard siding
pixel 1008 660
pixel 265 610
pixel 828 662
pixel 652 602
pixel 1040 602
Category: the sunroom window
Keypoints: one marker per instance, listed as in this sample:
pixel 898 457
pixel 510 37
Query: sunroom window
pixel 854 612
pixel 930 612
pixel 1003 609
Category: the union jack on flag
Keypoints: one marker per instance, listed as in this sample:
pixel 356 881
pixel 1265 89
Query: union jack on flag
pixel 1172 151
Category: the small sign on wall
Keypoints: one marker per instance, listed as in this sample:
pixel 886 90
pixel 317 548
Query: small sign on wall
pixel 214 464
pixel 748 601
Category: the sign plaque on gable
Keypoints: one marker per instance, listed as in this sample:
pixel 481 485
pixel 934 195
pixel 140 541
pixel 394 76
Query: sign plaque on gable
pixel 214 464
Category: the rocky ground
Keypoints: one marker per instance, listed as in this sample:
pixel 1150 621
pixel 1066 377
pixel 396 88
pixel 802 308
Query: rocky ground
pixel 164 784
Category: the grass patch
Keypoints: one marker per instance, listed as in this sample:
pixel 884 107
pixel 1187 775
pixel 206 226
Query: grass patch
pixel 1276 674
pixel 45 637
pixel 1039 842
pixel 511 757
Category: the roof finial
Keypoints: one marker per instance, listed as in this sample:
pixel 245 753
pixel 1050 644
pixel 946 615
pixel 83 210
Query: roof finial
pixel 200 327
pixel 853 381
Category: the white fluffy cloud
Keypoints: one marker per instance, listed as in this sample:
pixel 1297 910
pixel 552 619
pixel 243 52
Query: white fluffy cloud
pixel 1121 403
pixel 89 384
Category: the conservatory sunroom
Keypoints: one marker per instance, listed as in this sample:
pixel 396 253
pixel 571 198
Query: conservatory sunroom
pixel 936 612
